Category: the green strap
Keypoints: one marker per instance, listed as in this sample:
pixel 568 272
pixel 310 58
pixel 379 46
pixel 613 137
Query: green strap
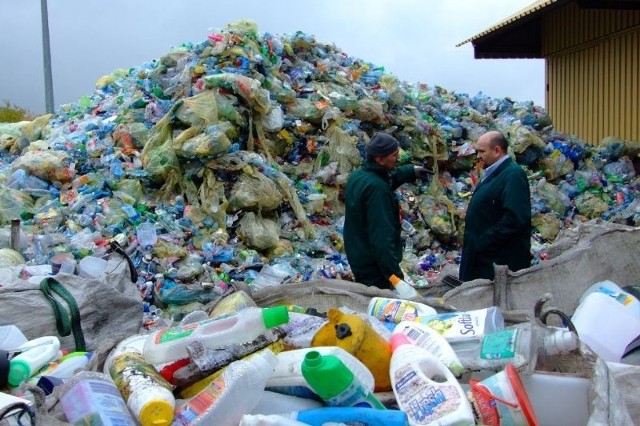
pixel 48 286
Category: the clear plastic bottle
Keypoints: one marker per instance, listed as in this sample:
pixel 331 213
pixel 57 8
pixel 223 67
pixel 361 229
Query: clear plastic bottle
pixel 402 288
pixel 519 346
pixel 170 344
pixel 93 398
pixel 235 392
pixel 335 383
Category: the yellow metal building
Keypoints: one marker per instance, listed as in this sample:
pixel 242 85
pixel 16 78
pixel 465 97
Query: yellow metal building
pixel 592 62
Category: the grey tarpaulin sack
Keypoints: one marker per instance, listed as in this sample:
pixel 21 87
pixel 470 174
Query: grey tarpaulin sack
pixel 110 306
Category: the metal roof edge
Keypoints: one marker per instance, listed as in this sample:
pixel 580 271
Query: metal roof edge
pixel 535 7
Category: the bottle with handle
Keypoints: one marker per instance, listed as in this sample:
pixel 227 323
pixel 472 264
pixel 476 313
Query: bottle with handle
pixel 36 354
pixel 335 383
pixel 402 288
pixel 170 344
pixel 424 388
pixel 235 392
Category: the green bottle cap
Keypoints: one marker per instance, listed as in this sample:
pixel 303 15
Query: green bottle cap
pixel 275 316
pixel 19 371
pixel 326 374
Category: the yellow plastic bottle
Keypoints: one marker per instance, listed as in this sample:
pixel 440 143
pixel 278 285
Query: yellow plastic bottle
pixel 353 334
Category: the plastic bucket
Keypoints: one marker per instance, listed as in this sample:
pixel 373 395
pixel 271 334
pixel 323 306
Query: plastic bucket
pixel 501 399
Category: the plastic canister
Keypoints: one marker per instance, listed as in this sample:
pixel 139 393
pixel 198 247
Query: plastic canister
pixel 424 388
pixel 93 398
pixel 502 399
pixel 605 325
pixel 170 344
pixel 557 396
pixel 335 383
pixel 612 290
pixel 287 377
pixel 397 310
pixel 353 334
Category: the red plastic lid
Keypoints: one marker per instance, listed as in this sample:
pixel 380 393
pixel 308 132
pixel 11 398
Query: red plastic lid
pixel 521 395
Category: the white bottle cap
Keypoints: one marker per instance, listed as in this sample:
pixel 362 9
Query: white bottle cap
pixel 560 341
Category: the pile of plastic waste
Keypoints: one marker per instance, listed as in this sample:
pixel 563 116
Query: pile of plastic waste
pixel 224 162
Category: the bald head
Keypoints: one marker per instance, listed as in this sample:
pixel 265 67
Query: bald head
pixel 491 147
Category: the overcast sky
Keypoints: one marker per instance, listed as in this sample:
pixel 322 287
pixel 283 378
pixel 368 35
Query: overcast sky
pixel 413 39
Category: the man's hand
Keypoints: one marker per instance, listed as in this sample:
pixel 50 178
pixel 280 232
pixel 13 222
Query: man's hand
pixel 421 172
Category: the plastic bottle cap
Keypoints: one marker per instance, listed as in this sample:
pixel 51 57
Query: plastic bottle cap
pixel 19 371
pixel 394 280
pixel 397 340
pixel 561 341
pixel 275 316
pixel 157 412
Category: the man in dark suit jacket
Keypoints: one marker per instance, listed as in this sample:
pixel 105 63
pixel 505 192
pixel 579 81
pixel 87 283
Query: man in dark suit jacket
pixel 498 219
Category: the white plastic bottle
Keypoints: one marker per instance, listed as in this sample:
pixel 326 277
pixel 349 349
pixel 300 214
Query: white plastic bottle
pixel 170 344
pixel 429 339
pixel 402 288
pixel 464 330
pixel 235 392
pixel 288 379
pixel 425 388
pixel 278 403
pixel 397 310
pixel 37 354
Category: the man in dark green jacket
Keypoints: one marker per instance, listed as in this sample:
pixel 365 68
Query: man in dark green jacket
pixel 372 214
pixel 498 219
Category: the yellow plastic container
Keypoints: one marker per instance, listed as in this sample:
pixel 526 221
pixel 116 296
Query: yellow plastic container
pixel 353 334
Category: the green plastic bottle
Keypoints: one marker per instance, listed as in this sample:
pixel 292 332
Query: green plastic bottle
pixel 335 383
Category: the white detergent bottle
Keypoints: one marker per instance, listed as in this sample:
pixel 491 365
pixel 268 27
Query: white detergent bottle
pixel 36 354
pixel 429 339
pixel 170 344
pixel 425 388
pixel 288 379
pixel 235 392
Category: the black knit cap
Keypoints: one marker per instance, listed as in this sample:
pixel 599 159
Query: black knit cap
pixel 381 145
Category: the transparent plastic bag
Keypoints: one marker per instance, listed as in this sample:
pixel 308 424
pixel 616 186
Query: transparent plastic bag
pixel 253 190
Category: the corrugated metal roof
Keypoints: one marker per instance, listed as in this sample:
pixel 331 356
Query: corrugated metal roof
pixel 533 8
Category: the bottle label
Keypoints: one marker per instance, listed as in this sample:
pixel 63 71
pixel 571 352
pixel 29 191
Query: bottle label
pixel 456 326
pixel 391 310
pixel 423 400
pixel 131 373
pixel 175 333
pixel 499 345
pixel 201 403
